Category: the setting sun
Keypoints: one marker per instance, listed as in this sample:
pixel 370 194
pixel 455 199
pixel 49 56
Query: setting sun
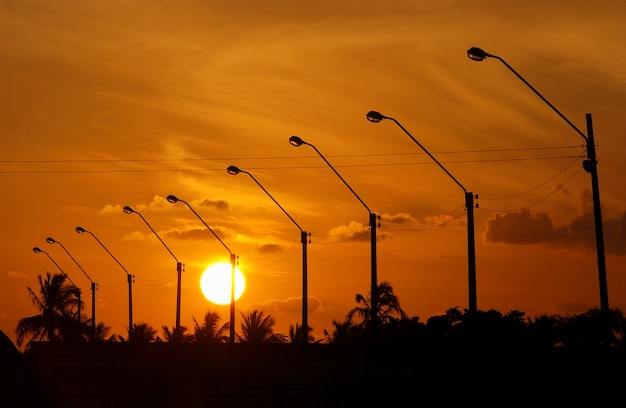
pixel 215 283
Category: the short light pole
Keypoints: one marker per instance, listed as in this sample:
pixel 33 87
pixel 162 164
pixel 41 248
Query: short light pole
pixel 233 262
pixel 376 117
pixel 590 164
pixel 373 218
pixel 179 269
pixel 38 250
pixel 81 231
pixel 304 239
pixel 50 240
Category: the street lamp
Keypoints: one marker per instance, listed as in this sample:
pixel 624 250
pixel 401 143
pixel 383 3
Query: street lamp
pixel 590 165
pixel 233 170
pixel 81 230
pixel 233 262
pixel 50 240
pixel 297 141
pixel 38 250
pixel 376 117
pixel 179 270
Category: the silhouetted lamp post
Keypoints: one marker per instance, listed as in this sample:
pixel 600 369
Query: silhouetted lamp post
pixel 233 262
pixel 81 230
pixel 39 250
pixel 233 170
pixel 376 117
pixel 297 141
pixel 93 286
pixel 179 270
pixel 590 165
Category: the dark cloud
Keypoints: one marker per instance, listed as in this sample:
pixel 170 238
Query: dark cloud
pixel 201 233
pixel 289 305
pixel 399 218
pixel 358 232
pixel 221 205
pixel 270 248
pixel 524 228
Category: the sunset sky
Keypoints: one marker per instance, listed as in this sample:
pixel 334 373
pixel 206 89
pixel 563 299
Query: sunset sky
pixel 116 103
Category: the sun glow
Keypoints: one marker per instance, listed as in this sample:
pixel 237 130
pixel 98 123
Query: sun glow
pixel 216 280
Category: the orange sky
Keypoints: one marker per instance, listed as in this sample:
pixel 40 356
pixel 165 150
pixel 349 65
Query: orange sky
pixel 107 104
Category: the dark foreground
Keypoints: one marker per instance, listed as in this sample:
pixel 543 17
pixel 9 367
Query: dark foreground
pixel 288 375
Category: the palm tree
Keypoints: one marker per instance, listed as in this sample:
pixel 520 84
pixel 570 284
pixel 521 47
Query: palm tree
pixel 258 328
pixel 208 331
pixel 296 332
pixel 57 320
pixel 140 333
pixel 343 333
pixel 388 307
pixel 102 333
pixel 171 336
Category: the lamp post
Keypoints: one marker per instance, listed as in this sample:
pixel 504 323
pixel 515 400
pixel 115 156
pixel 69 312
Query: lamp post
pixel 50 240
pixel 590 165
pixel 81 231
pixel 297 141
pixel 376 117
pixel 38 250
pixel 179 270
pixel 233 170
pixel 233 261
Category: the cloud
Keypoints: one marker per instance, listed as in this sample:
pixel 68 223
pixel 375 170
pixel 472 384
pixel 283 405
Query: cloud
pixel 16 274
pixel 270 248
pixel 399 218
pixel 524 228
pixel 357 232
pixel 221 205
pixel 289 305
pixel 202 233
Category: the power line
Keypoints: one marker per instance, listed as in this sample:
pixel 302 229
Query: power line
pixel 285 157
pixel 285 167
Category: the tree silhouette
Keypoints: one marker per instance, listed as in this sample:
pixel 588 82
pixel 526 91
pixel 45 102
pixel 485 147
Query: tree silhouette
pixel 57 320
pixel 256 327
pixel 296 332
pixel 344 333
pixel 388 307
pixel 208 331
pixel 140 333
pixel 172 336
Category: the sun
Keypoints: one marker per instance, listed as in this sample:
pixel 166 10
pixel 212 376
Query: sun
pixel 215 283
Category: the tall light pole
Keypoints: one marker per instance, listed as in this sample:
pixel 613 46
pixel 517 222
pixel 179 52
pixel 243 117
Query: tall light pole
pixel 179 269
pixel 297 141
pixel 304 238
pixel 81 230
pixel 590 164
pixel 38 250
pixel 50 240
pixel 233 262
pixel 376 117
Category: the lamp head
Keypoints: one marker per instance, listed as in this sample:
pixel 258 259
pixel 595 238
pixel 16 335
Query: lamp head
pixel 37 250
pixel 296 141
pixel 477 54
pixel 375 117
pixel 50 240
pixel 128 210
pixel 233 170
pixel 172 199
pixel 80 230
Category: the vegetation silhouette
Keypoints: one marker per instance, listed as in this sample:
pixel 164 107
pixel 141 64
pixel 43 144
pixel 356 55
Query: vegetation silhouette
pixel 456 329
pixel 57 319
pixel 296 333
pixel 256 327
pixel 208 332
